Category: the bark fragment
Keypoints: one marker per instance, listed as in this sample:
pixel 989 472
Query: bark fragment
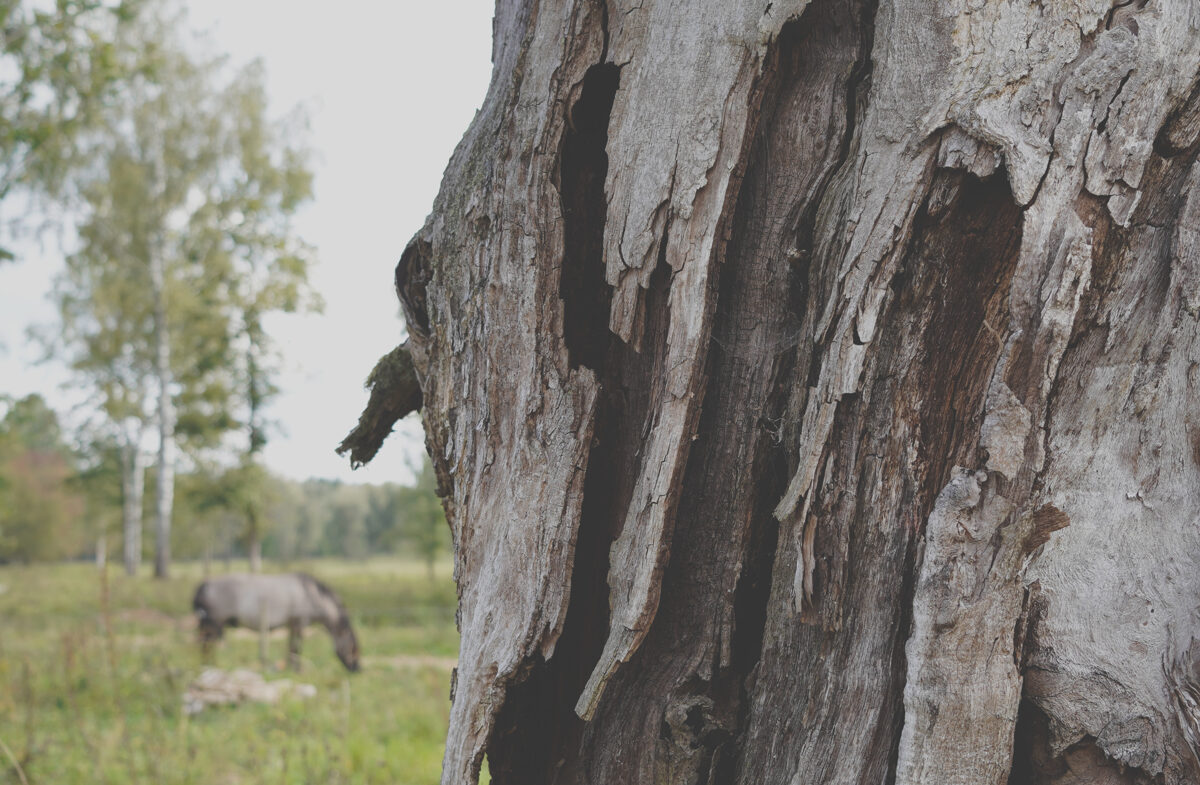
pixel 395 392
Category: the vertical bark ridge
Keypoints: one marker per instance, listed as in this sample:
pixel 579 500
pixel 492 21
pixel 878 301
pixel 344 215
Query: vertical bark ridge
pixel 676 711
pixel 537 728
pixel 918 414
pixel 636 386
pixel 1131 354
pixel 501 398
pixel 675 208
pixel 520 750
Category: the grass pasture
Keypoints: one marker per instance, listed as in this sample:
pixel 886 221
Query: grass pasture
pixel 91 692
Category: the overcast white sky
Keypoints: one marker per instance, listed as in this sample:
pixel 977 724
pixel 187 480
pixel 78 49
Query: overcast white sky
pixel 390 87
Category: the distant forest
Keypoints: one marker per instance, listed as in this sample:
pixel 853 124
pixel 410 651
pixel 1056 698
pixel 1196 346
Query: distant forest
pixel 63 501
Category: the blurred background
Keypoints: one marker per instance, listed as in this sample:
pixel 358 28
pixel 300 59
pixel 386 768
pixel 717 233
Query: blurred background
pixel 201 205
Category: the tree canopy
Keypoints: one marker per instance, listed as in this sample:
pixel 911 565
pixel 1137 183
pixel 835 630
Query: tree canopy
pixel 60 66
pixel 185 246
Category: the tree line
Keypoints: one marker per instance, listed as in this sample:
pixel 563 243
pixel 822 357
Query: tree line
pixel 175 186
pixel 64 501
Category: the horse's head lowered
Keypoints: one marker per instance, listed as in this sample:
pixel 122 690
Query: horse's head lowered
pixel 337 621
pixel 345 643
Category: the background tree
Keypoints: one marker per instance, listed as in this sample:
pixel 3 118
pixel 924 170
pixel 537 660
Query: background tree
pixel 62 498
pixel 810 386
pixel 61 64
pixel 38 506
pixel 422 522
pixel 269 269
pixel 185 248
pixel 248 492
pixel 202 506
pixel 98 480
pixel 106 321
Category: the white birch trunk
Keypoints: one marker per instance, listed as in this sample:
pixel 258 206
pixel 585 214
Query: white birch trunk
pixel 813 391
pixel 165 486
pixel 133 471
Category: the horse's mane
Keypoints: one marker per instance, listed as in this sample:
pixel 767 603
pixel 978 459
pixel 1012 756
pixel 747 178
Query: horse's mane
pixel 325 591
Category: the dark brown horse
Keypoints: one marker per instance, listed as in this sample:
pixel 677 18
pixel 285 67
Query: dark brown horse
pixel 266 602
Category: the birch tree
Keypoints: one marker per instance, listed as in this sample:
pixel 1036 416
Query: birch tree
pixel 811 388
pixel 185 246
pixel 269 275
pixel 105 319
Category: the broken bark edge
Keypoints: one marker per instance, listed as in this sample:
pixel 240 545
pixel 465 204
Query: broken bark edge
pixel 395 392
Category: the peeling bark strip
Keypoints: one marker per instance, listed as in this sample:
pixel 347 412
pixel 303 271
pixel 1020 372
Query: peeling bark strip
pixel 812 390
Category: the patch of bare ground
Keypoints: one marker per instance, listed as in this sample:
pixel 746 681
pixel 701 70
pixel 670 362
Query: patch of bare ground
pixel 402 661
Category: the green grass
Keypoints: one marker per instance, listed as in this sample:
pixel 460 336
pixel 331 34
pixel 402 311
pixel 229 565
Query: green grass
pixel 94 696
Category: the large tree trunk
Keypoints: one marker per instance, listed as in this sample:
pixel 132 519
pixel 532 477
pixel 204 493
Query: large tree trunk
pixel 812 388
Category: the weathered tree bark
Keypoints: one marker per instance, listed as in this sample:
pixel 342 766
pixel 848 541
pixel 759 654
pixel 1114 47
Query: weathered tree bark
pixel 812 389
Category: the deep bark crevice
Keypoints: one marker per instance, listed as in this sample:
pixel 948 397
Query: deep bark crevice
pixel 413 273
pixel 1082 763
pixel 688 678
pixel 537 736
pixel 974 249
pixel 586 295
pixel 961 260
pixel 923 396
pixel 1181 132
pixel 767 470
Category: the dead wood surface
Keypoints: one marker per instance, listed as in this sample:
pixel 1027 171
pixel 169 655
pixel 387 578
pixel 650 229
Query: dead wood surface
pixel 812 386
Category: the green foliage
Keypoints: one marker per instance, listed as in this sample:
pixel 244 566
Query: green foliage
pixel 182 187
pixel 423 521
pixel 37 509
pixel 60 64
pixel 324 518
pixel 55 502
pixel 192 174
pixel 32 425
pixel 38 506
pixel 185 247
pixel 97 479
pixel 80 706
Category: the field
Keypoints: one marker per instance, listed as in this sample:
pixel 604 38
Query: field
pixel 91 690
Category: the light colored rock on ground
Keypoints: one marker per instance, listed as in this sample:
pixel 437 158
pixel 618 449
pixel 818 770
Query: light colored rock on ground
pixel 216 687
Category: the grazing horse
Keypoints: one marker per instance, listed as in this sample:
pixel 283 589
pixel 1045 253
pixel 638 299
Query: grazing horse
pixel 267 602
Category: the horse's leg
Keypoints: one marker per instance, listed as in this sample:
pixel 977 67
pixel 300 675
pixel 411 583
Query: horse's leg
pixel 295 637
pixel 262 638
pixel 209 634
